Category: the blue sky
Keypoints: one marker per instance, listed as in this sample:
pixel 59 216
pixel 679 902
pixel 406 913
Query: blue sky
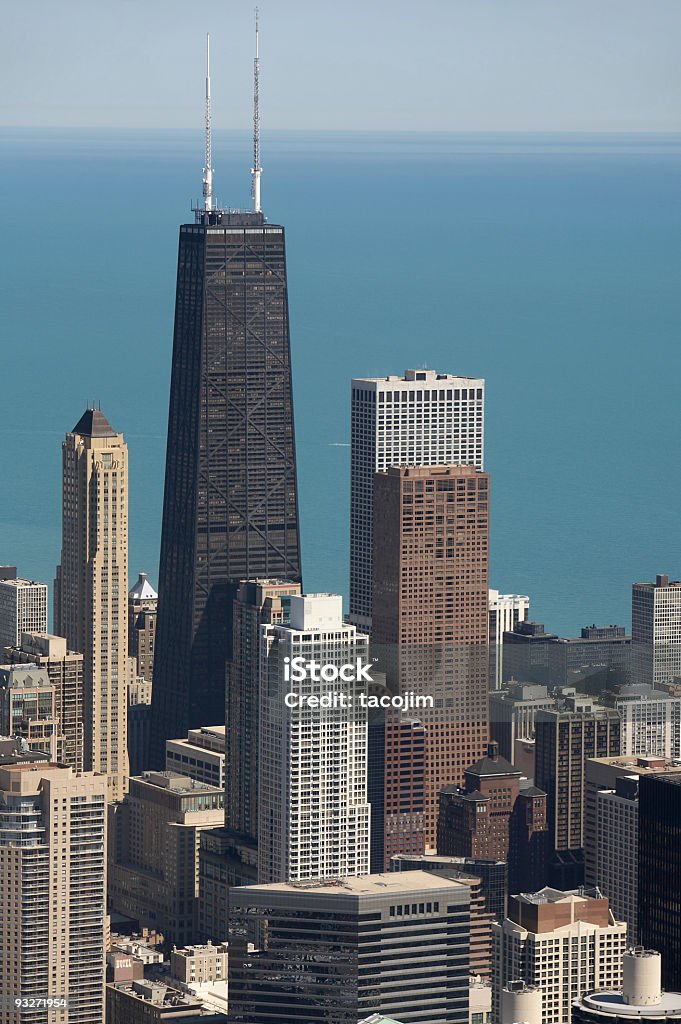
pixel 455 65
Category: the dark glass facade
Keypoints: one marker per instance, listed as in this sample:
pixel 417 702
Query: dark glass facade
pixel 564 740
pixel 230 507
pixel 327 953
pixel 659 872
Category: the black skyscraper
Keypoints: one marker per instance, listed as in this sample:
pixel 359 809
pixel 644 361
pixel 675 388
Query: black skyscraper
pixel 659 872
pixel 230 509
pixel 230 506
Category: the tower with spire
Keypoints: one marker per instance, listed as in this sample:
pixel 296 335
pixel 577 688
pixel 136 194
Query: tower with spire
pixel 90 594
pixel 230 509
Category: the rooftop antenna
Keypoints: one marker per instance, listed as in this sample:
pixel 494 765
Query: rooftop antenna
pixel 256 169
pixel 208 169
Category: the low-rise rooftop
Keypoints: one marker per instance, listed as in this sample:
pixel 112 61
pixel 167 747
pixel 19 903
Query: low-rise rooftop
pixel 613 1005
pixel 395 883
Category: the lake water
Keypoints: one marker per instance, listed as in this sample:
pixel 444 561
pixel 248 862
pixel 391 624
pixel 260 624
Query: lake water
pixel 550 265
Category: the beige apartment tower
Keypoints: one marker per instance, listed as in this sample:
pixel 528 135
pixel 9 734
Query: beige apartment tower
pixel 53 907
pixel 91 599
pixel 154 836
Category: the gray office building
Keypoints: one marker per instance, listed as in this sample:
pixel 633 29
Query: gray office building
pixel 334 952
pixel 600 658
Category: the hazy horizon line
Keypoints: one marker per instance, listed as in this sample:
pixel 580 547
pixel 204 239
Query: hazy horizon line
pixel 246 131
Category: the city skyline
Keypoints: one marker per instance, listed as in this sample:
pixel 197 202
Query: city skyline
pixel 320 808
pixel 499 339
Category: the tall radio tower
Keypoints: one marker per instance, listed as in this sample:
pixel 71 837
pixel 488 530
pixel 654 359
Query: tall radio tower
pixel 208 169
pixel 256 169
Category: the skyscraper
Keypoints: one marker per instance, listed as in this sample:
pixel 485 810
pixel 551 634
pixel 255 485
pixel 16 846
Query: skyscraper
pixel 598 659
pixel 497 815
pixel 422 419
pixel 474 820
pixel 656 630
pixel 565 738
pixel 505 612
pixel 332 952
pixel 659 870
pixel 29 708
pixel 651 720
pixel 201 755
pixel 153 848
pixel 230 509
pixel 313 813
pixel 23 608
pixel 611 832
pixel 258 603
pixel 486 880
pixel 142 615
pixel 566 943
pixel 53 906
pixel 512 713
pixel 229 854
pixel 396 786
pixel 65 670
pixel 430 610
pixel 90 606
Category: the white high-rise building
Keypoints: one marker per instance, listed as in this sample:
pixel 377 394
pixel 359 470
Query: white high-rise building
pixel 651 721
pixel 422 419
pixel 565 943
pixel 656 630
pixel 23 609
pixel 505 612
pixel 53 906
pixel 312 797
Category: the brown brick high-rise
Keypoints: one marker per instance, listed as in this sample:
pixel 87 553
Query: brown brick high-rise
pixel 430 609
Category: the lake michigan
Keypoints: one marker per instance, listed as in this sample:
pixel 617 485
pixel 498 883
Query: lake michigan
pixel 548 264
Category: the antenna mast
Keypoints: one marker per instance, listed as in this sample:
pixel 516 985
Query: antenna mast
pixel 208 169
pixel 256 169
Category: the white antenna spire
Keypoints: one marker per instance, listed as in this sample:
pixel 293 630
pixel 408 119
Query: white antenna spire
pixel 256 169
pixel 208 169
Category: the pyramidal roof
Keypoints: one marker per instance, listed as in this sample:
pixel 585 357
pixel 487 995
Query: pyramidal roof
pixel 93 423
pixel 143 590
pixel 492 764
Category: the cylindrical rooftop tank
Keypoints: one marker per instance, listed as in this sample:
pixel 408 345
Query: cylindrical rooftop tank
pixel 520 1002
pixel 642 977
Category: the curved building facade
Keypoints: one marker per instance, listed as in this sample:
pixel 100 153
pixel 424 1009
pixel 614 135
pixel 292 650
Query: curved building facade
pixel 641 998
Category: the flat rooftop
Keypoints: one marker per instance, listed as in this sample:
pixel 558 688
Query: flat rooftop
pixel 549 895
pixel 612 1003
pixel 417 377
pixel 394 883
pixel 641 765
pixel 175 782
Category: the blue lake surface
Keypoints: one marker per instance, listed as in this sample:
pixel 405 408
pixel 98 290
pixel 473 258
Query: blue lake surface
pixel 549 264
